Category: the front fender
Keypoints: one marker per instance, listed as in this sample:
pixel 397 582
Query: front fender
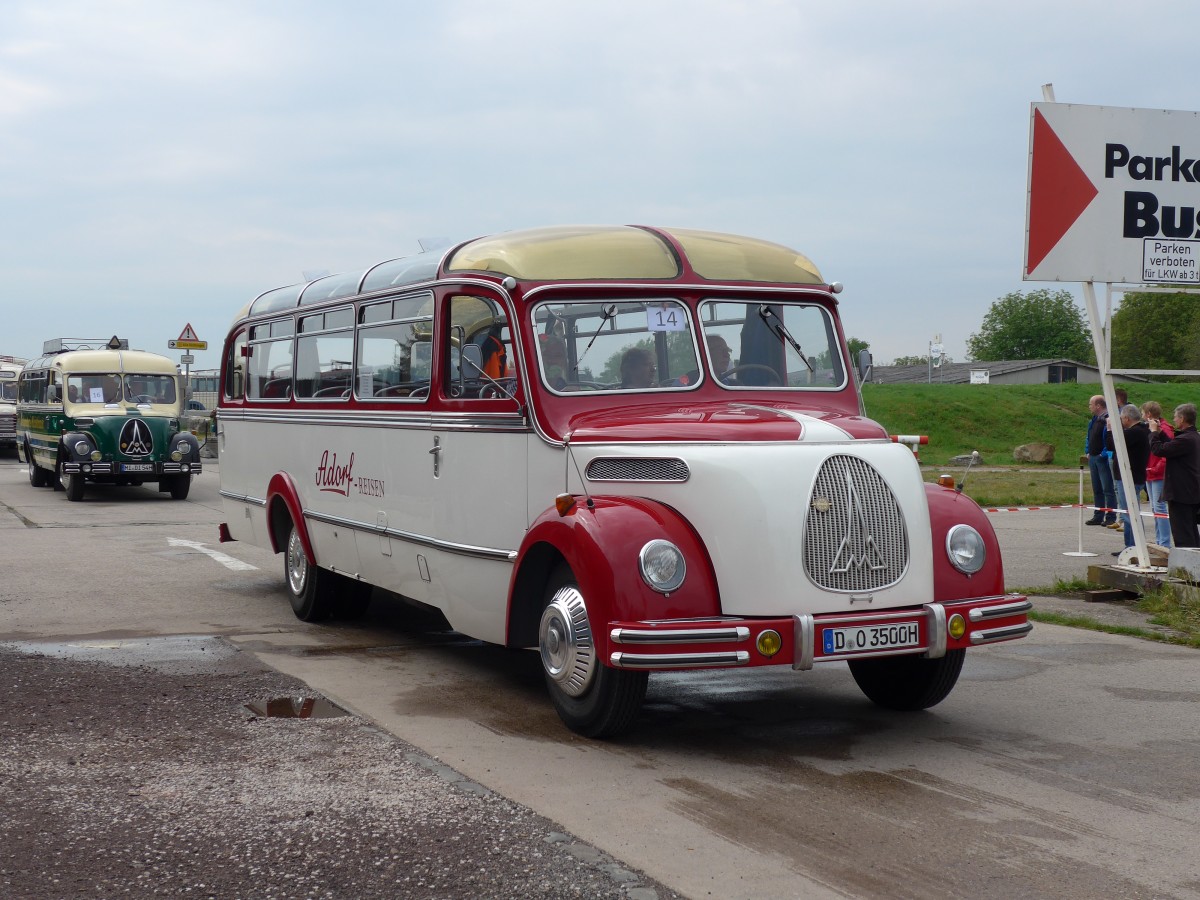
pixel 948 508
pixel 601 544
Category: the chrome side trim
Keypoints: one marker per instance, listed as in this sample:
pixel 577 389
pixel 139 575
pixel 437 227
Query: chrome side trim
pixel 991 635
pixel 679 635
pixel 422 540
pixel 242 498
pixel 678 661
pixel 999 612
pixel 935 625
pixel 803 634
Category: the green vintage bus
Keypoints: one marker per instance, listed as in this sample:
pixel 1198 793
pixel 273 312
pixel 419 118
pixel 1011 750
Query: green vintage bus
pixel 95 411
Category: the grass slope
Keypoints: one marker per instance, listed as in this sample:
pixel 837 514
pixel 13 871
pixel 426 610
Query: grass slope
pixel 996 418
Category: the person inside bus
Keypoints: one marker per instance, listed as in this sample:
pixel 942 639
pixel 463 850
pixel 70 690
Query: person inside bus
pixel 494 355
pixel 554 360
pixel 637 368
pixel 110 386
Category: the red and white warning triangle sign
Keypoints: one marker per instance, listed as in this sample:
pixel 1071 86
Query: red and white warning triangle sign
pixel 188 333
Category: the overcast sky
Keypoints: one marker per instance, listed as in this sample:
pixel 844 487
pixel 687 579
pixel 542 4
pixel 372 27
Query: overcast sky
pixel 164 162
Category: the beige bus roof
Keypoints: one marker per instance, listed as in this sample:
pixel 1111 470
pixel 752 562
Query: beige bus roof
pixel 139 361
pixel 586 252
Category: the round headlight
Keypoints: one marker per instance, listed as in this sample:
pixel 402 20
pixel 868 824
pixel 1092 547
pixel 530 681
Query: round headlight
pixel 83 448
pixel 176 456
pixel 662 566
pixel 97 456
pixel 966 550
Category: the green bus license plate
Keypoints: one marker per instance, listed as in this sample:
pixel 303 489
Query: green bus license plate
pixel 871 637
pixel 137 467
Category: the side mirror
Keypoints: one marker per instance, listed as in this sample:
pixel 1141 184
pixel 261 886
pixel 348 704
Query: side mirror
pixel 865 364
pixel 54 394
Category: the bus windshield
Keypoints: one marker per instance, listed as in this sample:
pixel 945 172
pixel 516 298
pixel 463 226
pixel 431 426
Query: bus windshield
pixel 652 346
pixel 110 388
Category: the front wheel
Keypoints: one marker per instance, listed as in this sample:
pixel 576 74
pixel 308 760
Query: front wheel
pixel 179 486
pixel 73 485
pixel 908 682
pixel 591 698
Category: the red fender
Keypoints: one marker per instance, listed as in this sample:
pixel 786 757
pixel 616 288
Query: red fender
pixel 948 508
pixel 601 545
pixel 284 488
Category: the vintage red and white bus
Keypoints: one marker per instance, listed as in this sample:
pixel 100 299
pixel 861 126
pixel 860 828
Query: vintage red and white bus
pixel 635 449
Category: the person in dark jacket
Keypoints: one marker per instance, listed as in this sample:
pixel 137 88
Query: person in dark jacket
pixel 1181 486
pixel 1137 445
pixel 1103 492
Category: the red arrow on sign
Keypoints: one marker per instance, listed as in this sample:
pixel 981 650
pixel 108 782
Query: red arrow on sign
pixel 1059 192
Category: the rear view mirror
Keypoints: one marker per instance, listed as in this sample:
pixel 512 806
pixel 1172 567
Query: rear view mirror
pixel 54 394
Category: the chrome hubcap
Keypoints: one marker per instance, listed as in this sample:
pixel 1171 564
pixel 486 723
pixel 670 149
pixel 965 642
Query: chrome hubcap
pixel 565 641
pixel 297 564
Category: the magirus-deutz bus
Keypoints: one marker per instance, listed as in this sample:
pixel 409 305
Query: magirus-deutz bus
pixel 633 449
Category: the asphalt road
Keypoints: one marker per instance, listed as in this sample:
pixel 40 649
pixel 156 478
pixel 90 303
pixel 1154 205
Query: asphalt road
pixel 1062 765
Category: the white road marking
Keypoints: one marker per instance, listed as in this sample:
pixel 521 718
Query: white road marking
pixel 227 561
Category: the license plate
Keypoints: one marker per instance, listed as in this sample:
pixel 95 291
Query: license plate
pixel 866 638
pixel 137 467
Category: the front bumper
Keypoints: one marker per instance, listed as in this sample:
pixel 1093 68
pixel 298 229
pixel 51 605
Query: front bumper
pixel 734 641
pixel 145 470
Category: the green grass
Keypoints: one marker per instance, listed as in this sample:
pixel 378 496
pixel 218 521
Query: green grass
pixel 995 419
pixel 1165 605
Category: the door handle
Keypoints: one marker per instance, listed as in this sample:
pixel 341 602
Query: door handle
pixel 436 453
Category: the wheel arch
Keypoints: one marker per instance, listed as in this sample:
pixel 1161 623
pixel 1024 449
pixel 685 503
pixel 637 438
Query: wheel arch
pixel 601 544
pixel 284 509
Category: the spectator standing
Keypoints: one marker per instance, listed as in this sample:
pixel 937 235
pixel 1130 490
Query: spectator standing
pixel 1103 493
pixel 1137 445
pixel 1155 470
pixel 1181 484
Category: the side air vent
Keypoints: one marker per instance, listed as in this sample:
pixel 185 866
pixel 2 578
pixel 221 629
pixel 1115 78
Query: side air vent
pixel 610 468
pixel 855 539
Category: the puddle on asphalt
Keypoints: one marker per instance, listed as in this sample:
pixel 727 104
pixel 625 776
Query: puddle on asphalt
pixel 297 708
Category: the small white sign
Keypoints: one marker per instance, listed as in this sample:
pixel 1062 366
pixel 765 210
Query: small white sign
pixel 980 376
pixel 668 317
pixel 1169 261
pixel 186 359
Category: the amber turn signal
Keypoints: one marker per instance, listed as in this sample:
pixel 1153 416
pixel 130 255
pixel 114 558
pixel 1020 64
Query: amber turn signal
pixel 769 643
pixel 946 481
pixel 956 627
pixel 564 503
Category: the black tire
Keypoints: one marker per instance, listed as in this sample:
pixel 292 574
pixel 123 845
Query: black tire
pixel 73 485
pixel 592 699
pixel 908 683
pixel 310 588
pixel 38 477
pixel 179 485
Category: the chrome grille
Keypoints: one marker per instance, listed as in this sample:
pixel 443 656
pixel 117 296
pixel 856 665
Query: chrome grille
pixel 607 468
pixel 8 425
pixel 854 536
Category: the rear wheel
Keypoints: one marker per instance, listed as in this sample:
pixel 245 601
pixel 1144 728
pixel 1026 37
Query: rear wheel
pixel 591 698
pixel 310 588
pixel 908 682
pixel 38 477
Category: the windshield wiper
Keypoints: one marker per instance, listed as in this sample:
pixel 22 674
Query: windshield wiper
pixel 780 331
pixel 605 314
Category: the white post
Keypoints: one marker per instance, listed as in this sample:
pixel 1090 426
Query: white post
pixel 1100 341
pixel 1080 551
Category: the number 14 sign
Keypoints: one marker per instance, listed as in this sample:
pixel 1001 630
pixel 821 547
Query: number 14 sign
pixel 668 317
